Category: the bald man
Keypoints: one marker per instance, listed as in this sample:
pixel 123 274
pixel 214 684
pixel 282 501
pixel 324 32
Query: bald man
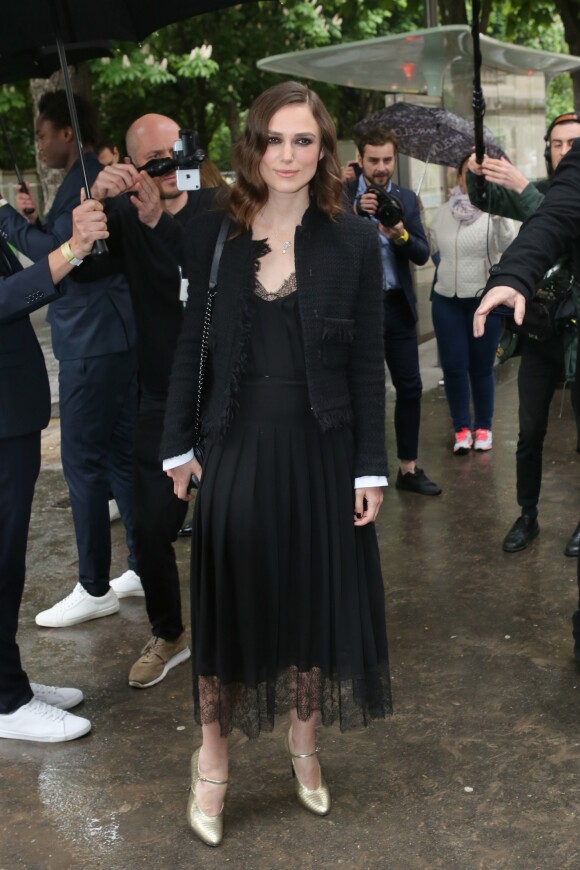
pixel 147 219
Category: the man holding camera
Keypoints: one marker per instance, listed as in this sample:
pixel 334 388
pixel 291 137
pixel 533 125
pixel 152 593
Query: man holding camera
pixel 395 211
pixel 146 220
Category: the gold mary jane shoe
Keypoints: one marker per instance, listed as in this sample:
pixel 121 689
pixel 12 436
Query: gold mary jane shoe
pixel 315 800
pixel 209 829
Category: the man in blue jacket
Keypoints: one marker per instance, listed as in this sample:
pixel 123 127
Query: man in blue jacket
pixel 93 337
pixel 402 240
pixel 29 711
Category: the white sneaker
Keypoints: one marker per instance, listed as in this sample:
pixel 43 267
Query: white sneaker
pixel 127 584
pixel 56 696
pixel 77 607
pixel 483 439
pixel 39 721
pixel 114 513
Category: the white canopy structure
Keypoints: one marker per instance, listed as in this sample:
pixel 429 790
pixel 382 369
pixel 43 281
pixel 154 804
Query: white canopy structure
pixel 413 63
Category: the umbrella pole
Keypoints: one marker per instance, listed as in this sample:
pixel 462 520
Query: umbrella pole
pixel 422 179
pixel 19 177
pixel 478 101
pixel 99 246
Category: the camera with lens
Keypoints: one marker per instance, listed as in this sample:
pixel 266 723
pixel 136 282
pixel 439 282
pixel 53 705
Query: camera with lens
pixel 390 209
pixel 187 159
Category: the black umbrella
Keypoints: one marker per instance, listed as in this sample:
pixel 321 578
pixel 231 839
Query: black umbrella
pixel 430 134
pixel 42 22
pixel 42 62
pixel 39 22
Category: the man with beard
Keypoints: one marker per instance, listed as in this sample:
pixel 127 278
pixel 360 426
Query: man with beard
pixel 401 242
pixel 147 217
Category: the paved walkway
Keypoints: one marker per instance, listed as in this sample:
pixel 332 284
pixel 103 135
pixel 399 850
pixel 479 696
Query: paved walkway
pixel 477 769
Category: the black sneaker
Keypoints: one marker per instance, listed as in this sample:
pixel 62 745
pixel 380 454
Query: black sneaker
pixel 417 482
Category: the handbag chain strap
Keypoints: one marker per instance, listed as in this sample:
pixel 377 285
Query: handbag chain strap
pixel 213 275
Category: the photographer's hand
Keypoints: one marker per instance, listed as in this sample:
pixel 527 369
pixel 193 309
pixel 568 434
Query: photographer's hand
pixel 147 200
pixel 114 180
pixel 367 202
pixel 394 233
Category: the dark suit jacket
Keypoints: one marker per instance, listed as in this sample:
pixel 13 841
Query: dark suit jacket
pixel 416 249
pixel 547 234
pixel 338 276
pixel 24 387
pixel 88 318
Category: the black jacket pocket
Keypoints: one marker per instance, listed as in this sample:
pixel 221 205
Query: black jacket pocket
pixel 337 338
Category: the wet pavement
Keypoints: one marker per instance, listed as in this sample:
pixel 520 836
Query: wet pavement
pixel 477 768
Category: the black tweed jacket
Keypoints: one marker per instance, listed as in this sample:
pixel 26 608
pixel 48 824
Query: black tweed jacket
pixel 338 276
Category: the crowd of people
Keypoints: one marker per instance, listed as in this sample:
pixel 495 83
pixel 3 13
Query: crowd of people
pixel 277 302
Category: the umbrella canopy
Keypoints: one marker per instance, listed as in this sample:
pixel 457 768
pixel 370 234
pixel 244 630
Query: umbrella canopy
pixel 430 134
pixel 41 63
pixel 35 22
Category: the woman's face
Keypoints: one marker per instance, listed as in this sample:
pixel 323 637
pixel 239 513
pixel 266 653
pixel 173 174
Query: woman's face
pixel 291 157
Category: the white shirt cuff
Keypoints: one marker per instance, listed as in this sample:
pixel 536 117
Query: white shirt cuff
pixel 359 483
pixel 370 480
pixel 174 461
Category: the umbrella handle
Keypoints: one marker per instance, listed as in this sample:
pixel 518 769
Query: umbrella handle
pixel 100 246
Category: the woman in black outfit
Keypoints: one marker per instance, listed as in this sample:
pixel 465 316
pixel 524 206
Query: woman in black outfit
pixel 286 589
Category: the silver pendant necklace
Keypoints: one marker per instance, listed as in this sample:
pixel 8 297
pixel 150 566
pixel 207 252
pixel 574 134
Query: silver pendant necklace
pixel 286 246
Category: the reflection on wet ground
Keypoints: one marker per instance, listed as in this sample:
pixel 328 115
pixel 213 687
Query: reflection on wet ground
pixel 478 767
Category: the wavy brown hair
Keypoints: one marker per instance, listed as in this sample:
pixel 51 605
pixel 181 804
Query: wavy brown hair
pixel 249 193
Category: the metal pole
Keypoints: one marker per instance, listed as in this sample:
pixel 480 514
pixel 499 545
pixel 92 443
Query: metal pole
pixel 99 246
pixel 478 98
pixel 431 13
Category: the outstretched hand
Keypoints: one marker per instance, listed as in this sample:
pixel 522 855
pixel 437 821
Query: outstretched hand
pixel 502 295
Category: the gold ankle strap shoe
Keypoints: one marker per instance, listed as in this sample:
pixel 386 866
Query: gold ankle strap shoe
pixel 315 800
pixel 209 829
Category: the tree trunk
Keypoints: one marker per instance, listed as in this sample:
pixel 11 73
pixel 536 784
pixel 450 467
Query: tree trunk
pixel 453 12
pixel 569 13
pixel 50 179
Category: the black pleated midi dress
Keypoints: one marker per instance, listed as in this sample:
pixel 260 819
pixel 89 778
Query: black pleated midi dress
pixel 287 600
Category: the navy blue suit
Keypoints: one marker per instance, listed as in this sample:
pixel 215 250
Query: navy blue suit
pixel 24 411
pixel 400 324
pixel 93 336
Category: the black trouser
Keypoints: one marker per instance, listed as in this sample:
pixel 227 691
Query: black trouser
pixel 19 468
pixel 158 516
pixel 402 358
pixel 541 370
